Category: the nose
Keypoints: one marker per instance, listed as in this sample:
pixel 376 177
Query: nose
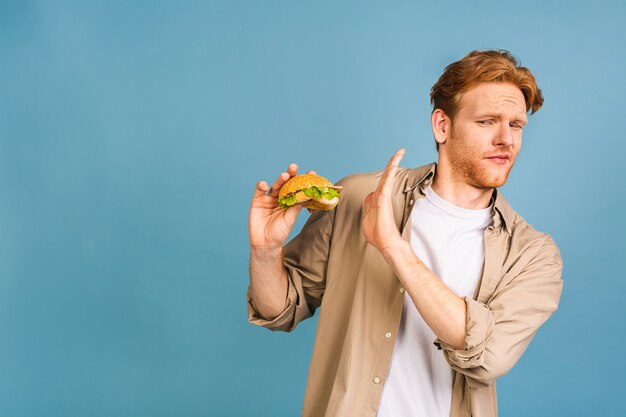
pixel 504 136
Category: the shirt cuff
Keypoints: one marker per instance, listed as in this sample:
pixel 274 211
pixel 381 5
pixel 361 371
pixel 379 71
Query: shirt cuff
pixel 284 321
pixel 478 329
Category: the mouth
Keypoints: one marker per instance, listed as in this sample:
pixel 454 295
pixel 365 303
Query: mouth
pixel 500 158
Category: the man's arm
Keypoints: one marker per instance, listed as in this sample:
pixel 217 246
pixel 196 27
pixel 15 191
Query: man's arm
pixel 499 331
pixel 268 281
pixel 441 308
pixel 286 283
pixel 305 260
pixel 269 227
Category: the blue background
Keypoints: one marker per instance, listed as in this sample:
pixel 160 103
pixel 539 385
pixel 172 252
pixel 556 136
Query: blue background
pixel 131 136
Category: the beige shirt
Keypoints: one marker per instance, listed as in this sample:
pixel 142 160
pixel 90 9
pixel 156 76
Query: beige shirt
pixel 330 265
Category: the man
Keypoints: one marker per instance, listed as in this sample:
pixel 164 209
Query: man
pixel 430 285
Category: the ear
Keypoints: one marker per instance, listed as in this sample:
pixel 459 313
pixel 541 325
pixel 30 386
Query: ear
pixel 441 125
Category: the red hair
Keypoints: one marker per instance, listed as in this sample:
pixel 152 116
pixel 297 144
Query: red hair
pixel 483 67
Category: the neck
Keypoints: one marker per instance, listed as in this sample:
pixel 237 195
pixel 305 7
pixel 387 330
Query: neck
pixel 458 192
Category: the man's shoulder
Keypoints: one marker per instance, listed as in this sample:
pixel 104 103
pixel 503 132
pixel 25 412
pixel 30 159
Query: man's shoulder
pixel 355 188
pixel 525 237
pixel 360 181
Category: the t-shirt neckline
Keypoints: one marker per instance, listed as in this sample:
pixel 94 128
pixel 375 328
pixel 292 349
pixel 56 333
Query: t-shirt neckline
pixel 455 210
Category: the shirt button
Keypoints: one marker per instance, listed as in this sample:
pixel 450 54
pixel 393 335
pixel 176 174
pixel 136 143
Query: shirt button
pixel 376 380
pixel 401 290
pixel 388 335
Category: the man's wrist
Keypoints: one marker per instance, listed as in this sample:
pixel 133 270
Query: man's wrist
pixel 266 253
pixel 395 248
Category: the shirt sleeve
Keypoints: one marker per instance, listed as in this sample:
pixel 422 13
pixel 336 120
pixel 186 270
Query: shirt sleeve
pixel 306 261
pixel 498 332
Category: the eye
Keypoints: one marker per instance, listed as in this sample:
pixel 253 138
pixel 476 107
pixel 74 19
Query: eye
pixel 488 122
pixel 516 126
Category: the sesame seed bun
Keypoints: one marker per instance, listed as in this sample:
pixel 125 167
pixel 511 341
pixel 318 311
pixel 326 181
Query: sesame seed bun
pixel 302 181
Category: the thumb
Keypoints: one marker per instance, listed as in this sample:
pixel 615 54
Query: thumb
pixel 291 214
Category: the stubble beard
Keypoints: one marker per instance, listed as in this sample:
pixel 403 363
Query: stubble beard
pixel 474 169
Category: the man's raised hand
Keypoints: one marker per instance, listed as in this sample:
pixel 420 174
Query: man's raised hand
pixel 379 226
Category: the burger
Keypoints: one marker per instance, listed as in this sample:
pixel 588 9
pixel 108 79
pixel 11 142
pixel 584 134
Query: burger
pixel 310 190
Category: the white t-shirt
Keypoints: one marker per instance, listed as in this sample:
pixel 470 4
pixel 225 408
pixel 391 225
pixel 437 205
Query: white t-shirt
pixel 449 240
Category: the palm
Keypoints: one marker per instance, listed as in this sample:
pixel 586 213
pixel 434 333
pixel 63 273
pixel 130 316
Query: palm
pixel 379 227
pixel 378 223
pixel 269 224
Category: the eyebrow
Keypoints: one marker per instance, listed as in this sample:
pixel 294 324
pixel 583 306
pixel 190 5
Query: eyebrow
pixel 498 115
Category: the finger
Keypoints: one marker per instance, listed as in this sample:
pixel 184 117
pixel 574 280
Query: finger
pixel 312 172
pixel 260 189
pixel 292 169
pixel 388 178
pixel 291 214
pixel 282 179
pixel 396 158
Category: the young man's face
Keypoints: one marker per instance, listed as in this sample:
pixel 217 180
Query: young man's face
pixel 486 134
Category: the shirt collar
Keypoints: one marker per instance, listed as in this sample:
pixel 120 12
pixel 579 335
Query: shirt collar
pixel 503 212
pixel 422 176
